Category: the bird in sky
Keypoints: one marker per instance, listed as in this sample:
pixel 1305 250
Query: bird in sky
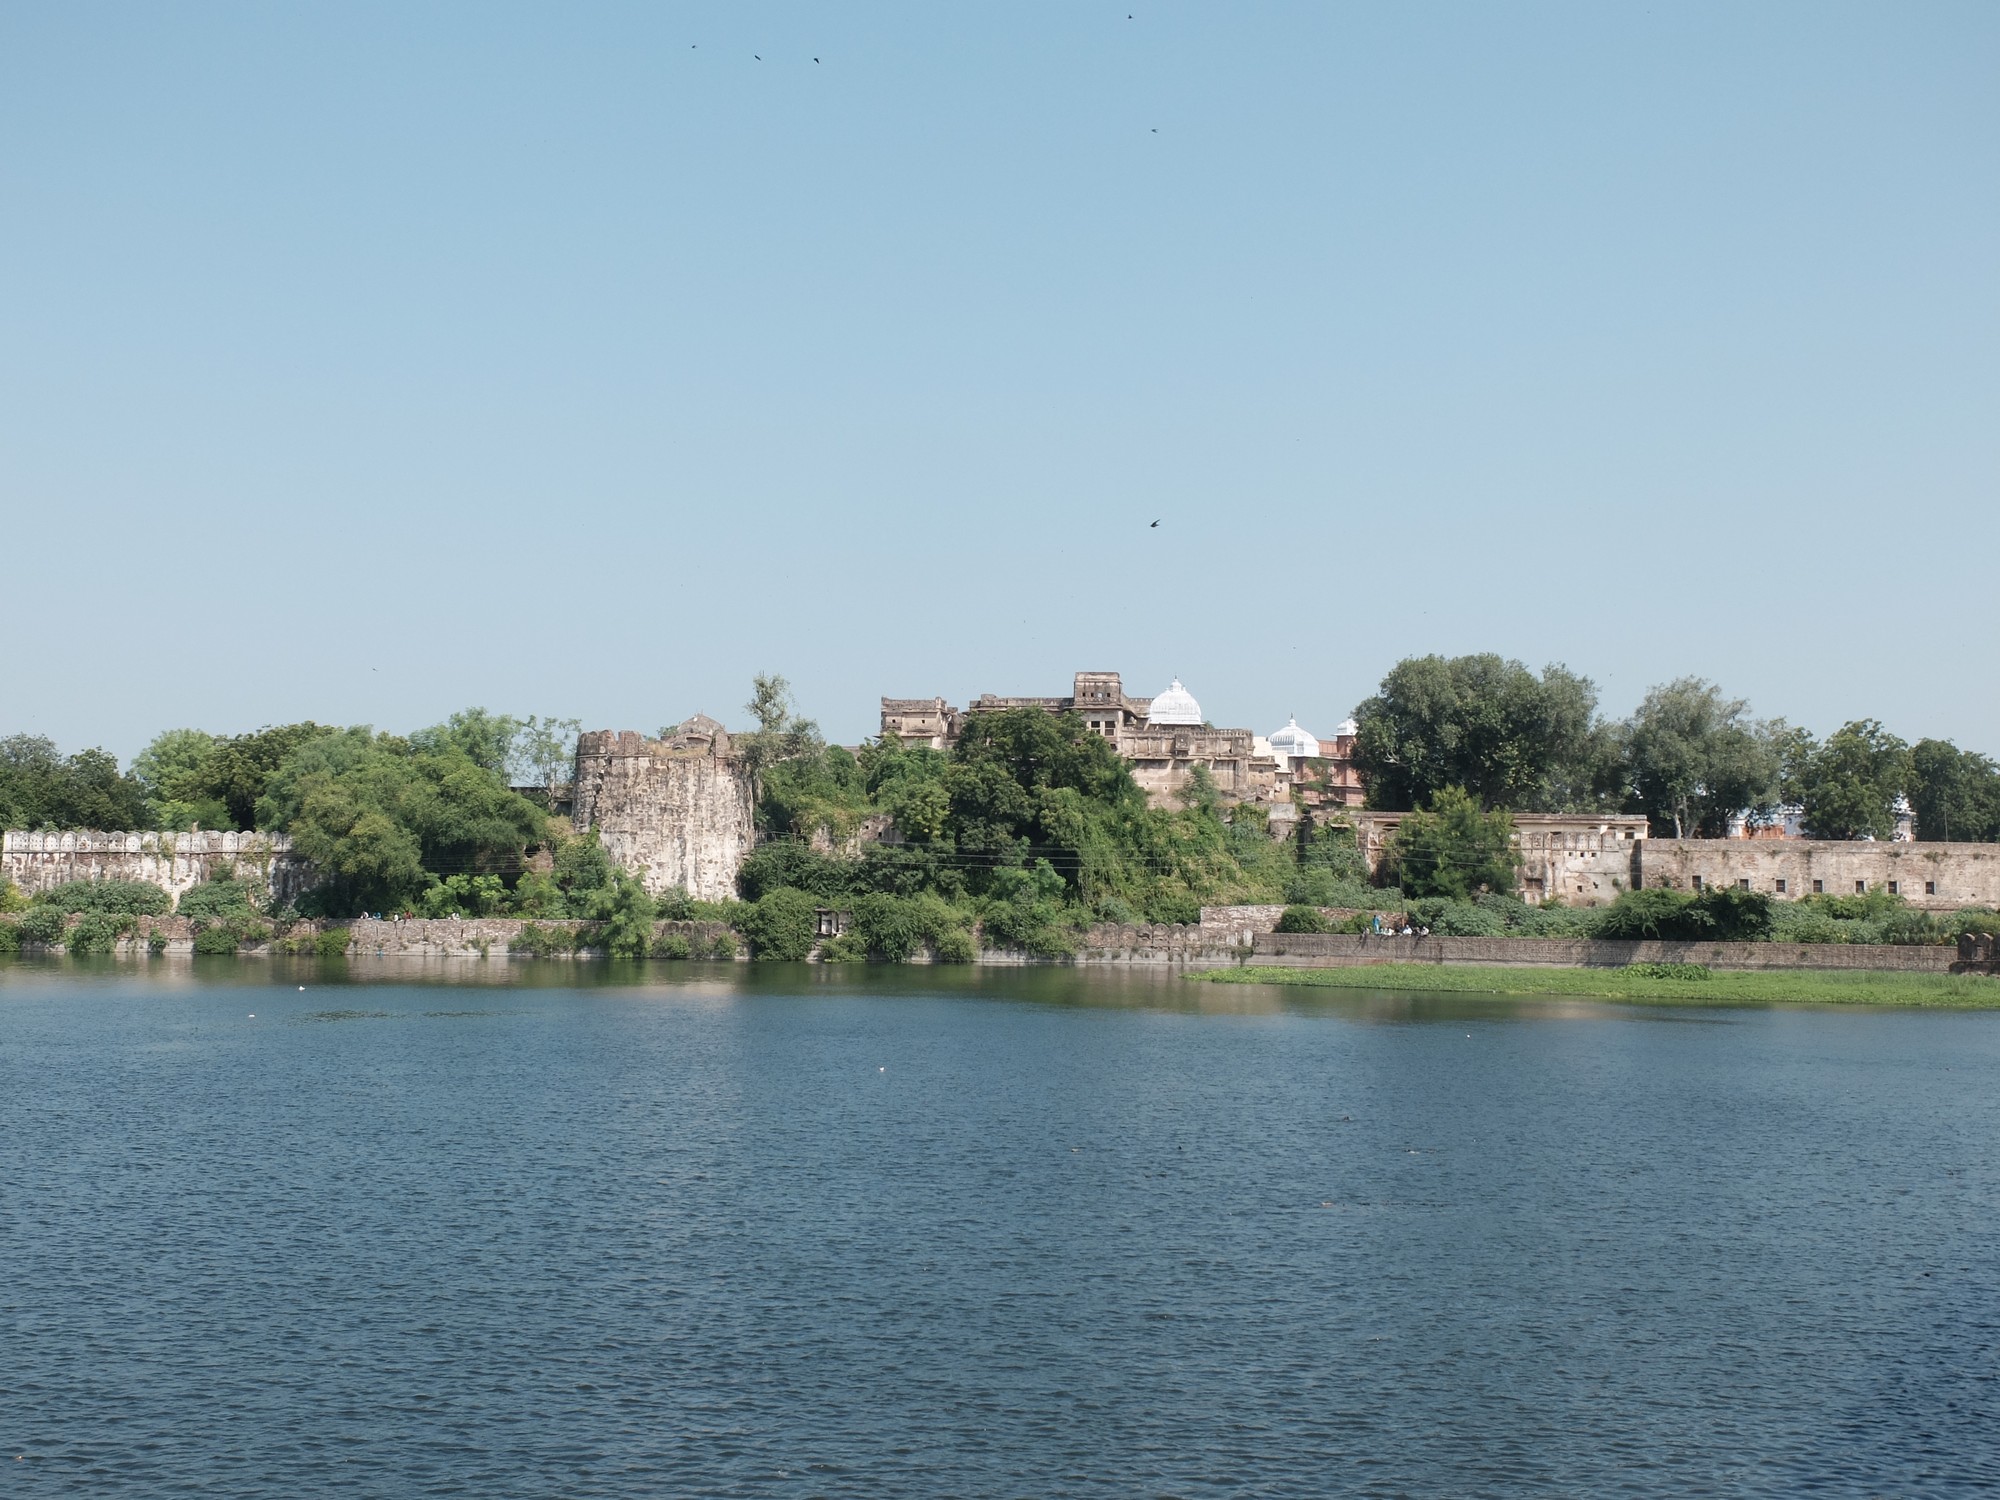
pixel 1156 523
pixel 759 59
pixel 815 59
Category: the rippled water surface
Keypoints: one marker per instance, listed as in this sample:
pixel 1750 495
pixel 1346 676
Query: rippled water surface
pixel 888 1233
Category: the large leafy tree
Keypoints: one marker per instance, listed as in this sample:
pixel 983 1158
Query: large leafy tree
pixel 1485 724
pixel 174 769
pixel 42 788
pixel 1955 793
pixel 1695 757
pixel 1849 786
pixel 485 739
pixel 382 817
pixel 1453 848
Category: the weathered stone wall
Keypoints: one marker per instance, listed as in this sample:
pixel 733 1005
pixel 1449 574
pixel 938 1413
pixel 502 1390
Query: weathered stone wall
pixel 1320 951
pixel 172 861
pixel 673 816
pixel 1578 859
pixel 1935 877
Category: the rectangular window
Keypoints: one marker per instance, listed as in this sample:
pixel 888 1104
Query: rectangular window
pixel 1696 882
pixel 1895 887
pixel 1819 887
pixel 1743 885
pixel 1860 887
pixel 1778 885
pixel 1930 887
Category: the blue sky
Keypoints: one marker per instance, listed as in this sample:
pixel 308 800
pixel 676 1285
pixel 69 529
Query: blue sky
pixel 364 362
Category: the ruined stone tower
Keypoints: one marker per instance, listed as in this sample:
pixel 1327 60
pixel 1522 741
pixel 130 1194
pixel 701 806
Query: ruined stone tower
pixel 675 811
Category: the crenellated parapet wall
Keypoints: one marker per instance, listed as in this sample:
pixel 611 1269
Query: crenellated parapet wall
pixel 172 861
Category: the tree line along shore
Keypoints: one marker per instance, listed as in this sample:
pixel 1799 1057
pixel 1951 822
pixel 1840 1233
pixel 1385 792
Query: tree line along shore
pixel 1025 834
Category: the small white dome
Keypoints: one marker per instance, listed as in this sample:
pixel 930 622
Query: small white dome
pixel 1175 706
pixel 1295 742
pixel 1346 729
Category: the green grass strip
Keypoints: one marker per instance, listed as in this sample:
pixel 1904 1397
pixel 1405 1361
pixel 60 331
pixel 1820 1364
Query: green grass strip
pixel 1722 987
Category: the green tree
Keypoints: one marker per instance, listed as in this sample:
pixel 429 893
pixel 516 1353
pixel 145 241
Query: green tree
pixel 1955 793
pixel 41 788
pixel 1485 724
pixel 175 771
pixel 381 818
pixel 1849 787
pixel 1694 758
pixel 485 739
pixel 241 766
pixel 782 925
pixel 546 751
pixel 1453 848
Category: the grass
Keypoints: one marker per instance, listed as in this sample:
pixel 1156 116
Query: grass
pixel 1721 987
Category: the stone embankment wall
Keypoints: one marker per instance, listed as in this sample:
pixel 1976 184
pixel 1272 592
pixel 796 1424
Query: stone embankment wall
pixel 172 861
pixel 672 816
pixel 1934 877
pixel 1314 950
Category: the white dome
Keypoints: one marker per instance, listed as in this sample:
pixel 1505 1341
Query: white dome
pixel 1346 729
pixel 1175 706
pixel 1295 742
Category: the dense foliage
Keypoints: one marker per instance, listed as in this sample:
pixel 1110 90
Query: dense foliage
pixel 41 788
pixel 1486 725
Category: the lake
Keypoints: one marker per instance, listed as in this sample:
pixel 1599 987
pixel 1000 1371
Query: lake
pixel 501 1230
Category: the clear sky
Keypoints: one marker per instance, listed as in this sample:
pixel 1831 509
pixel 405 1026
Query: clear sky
pixel 360 362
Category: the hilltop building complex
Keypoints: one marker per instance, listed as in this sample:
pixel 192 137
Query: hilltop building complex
pixel 1165 739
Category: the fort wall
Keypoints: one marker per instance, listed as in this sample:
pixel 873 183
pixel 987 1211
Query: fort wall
pixel 676 812
pixel 1930 876
pixel 172 861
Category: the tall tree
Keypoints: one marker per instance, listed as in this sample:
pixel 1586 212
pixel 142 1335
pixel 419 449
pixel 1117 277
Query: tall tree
pixel 1955 793
pixel 175 771
pixel 1487 725
pixel 1850 786
pixel 1695 757
pixel 41 788
pixel 1452 848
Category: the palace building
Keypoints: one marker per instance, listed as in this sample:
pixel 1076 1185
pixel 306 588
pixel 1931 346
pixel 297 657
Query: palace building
pixel 1165 738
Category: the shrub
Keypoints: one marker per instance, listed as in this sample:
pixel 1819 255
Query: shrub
pixel 156 943
pixel 1666 971
pixel 217 898
pixel 11 899
pixel 782 924
pixel 1304 919
pixel 1727 915
pixel 672 945
pixel 724 946
pixel 538 941
pixel 215 941
pixel 10 937
pixel 332 943
pixel 786 864
pixel 848 948
pixel 133 898
pixel 472 895
pixel 1448 918
pixel 97 932
pixel 43 924
pixel 675 905
pixel 953 947
pixel 1178 908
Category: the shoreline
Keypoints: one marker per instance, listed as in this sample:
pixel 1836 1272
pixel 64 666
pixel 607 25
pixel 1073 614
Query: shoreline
pixel 1882 989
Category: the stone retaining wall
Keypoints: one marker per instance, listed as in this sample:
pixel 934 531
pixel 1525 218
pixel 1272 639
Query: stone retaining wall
pixel 38 862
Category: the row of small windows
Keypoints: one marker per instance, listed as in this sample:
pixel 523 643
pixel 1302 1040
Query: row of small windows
pixel 1780 886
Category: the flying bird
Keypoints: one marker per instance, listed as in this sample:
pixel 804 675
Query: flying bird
pixel 815 59
pixel 1156 523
